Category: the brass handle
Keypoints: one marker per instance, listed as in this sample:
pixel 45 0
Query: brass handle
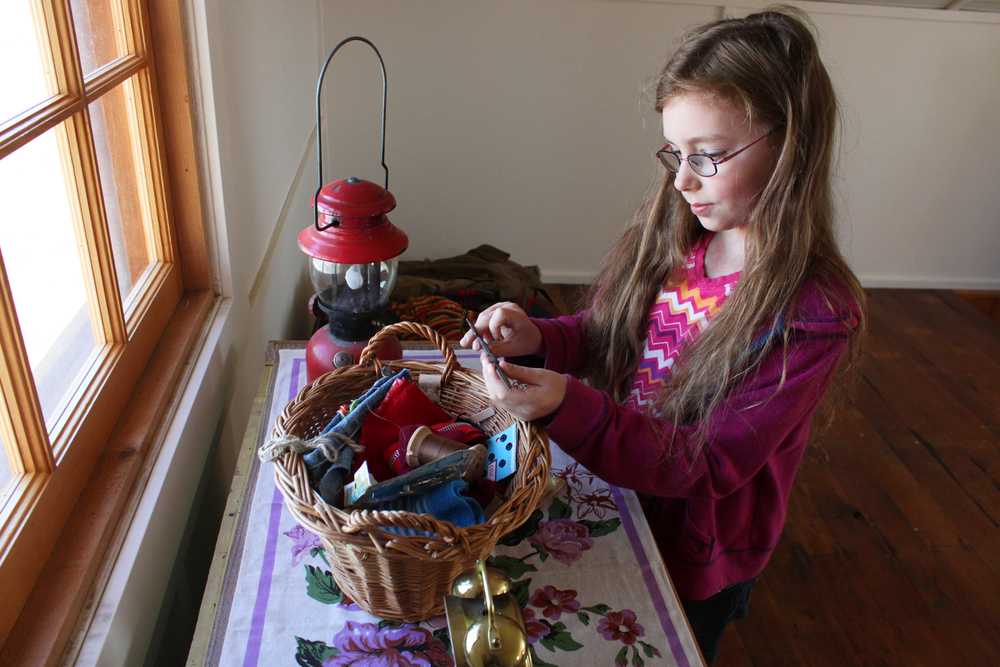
pixel 492 636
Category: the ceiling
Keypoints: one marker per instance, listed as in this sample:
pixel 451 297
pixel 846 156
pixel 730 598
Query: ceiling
pixel 992 6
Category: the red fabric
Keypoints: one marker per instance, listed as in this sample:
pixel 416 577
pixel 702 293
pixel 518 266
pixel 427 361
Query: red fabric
pixel 458 431
pixel 404 405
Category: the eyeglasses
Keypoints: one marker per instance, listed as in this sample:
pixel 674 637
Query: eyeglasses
pixel 703 165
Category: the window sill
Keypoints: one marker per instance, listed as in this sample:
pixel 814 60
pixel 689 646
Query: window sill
pixel 131 489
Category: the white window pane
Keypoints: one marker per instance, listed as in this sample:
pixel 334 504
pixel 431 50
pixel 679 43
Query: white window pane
pixel 42 257
pixel 22 73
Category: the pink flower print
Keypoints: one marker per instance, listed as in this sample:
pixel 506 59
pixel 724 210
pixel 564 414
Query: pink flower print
pixel 620 626
pixel 304 541
pixel 576 478
pixel 554 602
pixel 535 629
pixel 564 539
pixel 596 503
pixel 364 645
pixel 576 475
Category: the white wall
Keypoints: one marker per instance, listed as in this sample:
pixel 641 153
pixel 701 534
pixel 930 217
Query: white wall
pixel 522 124
pixel 263 62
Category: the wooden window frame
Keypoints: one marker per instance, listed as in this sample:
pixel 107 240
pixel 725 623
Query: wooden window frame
pixel 77 489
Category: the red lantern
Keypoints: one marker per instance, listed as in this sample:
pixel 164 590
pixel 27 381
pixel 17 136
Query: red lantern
pixel 353 253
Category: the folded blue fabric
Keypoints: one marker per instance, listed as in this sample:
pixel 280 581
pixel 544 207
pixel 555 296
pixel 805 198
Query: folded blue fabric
pixel 446 502
pixel 336 476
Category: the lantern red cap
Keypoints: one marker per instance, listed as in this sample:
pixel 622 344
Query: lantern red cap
pixel 364 233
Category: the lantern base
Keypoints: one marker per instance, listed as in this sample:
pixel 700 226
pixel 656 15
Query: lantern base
pixel 324 351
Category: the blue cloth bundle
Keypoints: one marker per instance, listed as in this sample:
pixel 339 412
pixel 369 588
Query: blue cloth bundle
pixel 445 501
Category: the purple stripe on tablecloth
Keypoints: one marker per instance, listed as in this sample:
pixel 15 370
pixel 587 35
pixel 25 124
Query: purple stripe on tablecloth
pixel 647 576
pixel 270 547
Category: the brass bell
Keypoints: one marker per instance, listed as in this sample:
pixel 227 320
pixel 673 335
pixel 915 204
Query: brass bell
pixel 484 621
pixel 469 584
pixel 556 486
pixel 496 641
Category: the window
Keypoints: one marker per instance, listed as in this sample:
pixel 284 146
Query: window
pixel 92 270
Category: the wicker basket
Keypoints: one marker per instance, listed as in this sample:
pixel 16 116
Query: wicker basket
pixel 388 575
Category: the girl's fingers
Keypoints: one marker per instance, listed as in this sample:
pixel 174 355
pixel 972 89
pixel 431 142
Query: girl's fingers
pixel 494 385
pixel 498 322
pixel 527 401
pixel 483 320
pixel 524 374
pixel 506 328
pixel 481 324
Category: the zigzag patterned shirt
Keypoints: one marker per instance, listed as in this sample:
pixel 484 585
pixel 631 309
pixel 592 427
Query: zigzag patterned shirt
pixel 679 313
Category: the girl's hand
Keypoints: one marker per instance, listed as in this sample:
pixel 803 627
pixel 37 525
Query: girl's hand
pixel 507 331
pixel 541 394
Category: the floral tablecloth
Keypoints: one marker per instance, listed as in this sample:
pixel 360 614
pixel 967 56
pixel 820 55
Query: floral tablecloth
pixel 587 574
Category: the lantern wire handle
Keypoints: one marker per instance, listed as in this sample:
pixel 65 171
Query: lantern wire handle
pixel 319 123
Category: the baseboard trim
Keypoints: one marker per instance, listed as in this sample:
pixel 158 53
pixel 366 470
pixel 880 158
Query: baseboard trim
pixel 560 277
pixel 565 277
pixel 930 282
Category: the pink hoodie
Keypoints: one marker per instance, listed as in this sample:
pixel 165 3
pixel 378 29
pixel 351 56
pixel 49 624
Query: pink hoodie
pixel 717 517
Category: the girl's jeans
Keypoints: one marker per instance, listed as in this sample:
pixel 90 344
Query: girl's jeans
pixel 708 618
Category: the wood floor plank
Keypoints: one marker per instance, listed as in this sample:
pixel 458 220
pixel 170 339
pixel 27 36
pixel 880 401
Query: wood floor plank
pixel 732 652
pixel 765 633
pixel 975 466
pixel 799 584
pixel 980 330
pixel 919 456
pixel 950 362
pixel 961 591
pixel 883 494
pixel 910 388
pixel 804 520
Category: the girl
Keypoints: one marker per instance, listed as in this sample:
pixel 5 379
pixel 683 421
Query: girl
pixel 707 423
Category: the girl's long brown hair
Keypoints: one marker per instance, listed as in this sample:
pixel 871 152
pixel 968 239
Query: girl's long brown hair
pixel 768 65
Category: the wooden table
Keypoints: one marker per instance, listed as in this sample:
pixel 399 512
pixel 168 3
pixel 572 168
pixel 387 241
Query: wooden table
pixel 595 591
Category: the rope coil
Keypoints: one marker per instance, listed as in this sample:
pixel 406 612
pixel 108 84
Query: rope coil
pixel 328 443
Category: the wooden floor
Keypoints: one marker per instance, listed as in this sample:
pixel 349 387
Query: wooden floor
pixel 891 552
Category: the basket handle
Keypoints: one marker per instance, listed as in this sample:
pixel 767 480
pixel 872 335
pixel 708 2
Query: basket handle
pixel 450 361
pixel 366 521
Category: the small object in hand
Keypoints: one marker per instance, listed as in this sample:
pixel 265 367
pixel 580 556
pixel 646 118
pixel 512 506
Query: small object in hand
pixel 492 357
